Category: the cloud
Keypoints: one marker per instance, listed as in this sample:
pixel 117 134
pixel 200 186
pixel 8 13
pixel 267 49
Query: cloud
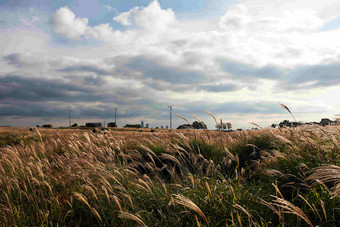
pixel 315 76
pixel 241 107
pixel 101 32
pixel 19 88
pixel 154 18
pixel 13 59
pixel 88 67
pixel 151 69
pixel 251 17
pixel 126 17
pixel 239 70
pixel 22 60
pixel 151 18
pixel 219 88
pixel 32 110
pixel 66 24
pixel 96 111
pixel 257 50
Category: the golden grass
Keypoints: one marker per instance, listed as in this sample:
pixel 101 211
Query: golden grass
pixel 128 175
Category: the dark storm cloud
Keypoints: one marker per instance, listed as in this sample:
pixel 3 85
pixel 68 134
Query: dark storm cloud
pixel 239 70
pixel 36 90
pixel 151 69
pixel 29 109
pixel 87 80
pixel 320 75
pixel 17 87
pixel 85 68
pixel 14 59
pixel 163 85
pixel 231 107
pixel 21 96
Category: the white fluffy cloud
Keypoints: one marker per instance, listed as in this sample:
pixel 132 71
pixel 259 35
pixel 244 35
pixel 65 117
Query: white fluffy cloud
pixel 66 24
pixel 151 18
pixel 247 18
pixel 126 17
pixel 249 32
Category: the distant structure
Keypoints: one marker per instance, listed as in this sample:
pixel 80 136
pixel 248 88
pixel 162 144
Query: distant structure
pixel 112 124
pixel 170 107
pixel 142 124
pixel 69 117
pixel 115 109
pixel 147 125
pixel 167 127
pixel 90 124
pixel 162 126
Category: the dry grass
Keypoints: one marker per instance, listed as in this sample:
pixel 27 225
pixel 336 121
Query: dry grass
pixel 76 177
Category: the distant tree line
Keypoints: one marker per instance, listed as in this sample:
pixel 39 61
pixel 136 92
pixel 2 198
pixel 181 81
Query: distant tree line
pixel 132 126
pixel 194 125
pixel 44 126
pixel 224 126
pixel 288 124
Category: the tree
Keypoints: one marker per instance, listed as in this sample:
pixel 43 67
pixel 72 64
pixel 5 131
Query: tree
pixel 198 125
pixel 47 126
pixel 229 126
pixel 285 123
pixel 220 126
pixel 184 126
pixel 112 124
pixel 74 125
pixel 90 125
pixel 325 121
pixel 288 124
pixel 132 126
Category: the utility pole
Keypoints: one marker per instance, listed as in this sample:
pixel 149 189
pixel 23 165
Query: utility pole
pixel 115 109
pixel 170 107
pixel 69 117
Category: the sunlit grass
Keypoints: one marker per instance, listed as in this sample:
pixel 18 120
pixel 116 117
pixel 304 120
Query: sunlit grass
pixel 270 177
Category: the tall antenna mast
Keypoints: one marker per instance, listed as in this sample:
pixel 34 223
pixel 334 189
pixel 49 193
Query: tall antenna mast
pixel 69 117
pixel 170 107
pixel 115 109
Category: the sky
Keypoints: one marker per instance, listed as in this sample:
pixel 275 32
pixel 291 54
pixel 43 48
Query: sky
pixel 237 59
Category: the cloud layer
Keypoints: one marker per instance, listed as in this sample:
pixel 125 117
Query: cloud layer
pixel 242 62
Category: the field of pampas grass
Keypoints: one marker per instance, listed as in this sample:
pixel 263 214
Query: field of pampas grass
pixel 269 177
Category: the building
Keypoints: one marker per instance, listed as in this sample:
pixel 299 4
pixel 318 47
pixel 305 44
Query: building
pixel 167 127
pixel 142 124
pixel 147 125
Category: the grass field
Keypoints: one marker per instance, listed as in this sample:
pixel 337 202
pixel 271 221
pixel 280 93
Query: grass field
pixel 73 177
